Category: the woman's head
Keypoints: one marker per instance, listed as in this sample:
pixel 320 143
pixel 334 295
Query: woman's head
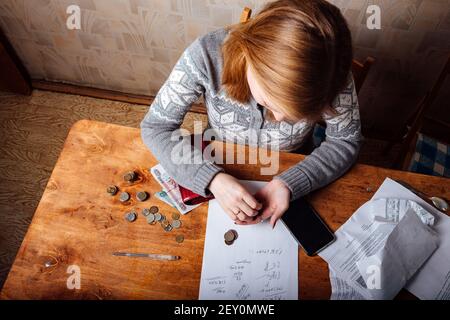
pixel 294 57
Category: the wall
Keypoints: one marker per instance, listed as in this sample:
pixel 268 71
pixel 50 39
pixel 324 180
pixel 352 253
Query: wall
pixel 131 45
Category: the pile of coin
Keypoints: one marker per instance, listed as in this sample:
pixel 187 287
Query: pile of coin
pixel 230 236
pixel 153 216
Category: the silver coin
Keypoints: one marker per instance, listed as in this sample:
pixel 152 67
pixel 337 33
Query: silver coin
pixel 176 224
pixel 129 176
pixel 130 216
pixel 168 228
pixel 124 197
pixel 146 212
pixel 112 190
pixel 158 216
pixel 142 196
pixel 150 218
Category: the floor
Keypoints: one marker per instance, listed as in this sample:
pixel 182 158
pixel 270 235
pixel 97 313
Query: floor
pixel 32 132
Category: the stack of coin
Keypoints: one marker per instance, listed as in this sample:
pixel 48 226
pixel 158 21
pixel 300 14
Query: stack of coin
pixel 230 236
pixel 130 176
pixel 152 215
pixel 176 222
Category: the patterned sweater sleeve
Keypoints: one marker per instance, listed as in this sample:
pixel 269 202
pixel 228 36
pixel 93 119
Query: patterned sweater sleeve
pixel 336 154
pixel 160 128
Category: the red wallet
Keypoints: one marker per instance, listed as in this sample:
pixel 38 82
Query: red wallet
pixel 189 197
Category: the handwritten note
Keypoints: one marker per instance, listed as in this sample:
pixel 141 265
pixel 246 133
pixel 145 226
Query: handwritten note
pixel 261 264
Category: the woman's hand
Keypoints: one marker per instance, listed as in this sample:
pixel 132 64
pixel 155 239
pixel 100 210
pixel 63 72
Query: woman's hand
pixel 237 202
pixel 275 197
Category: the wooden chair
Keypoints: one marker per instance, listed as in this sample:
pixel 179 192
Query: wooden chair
pixel 410 139
pixel 359 70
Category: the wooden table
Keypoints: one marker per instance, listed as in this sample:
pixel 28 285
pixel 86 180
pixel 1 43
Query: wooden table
pixel 78 223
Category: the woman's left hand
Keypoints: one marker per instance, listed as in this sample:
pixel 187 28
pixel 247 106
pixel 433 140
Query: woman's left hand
pixel 275 197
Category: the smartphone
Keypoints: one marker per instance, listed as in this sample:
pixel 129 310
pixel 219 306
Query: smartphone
pixel 311 233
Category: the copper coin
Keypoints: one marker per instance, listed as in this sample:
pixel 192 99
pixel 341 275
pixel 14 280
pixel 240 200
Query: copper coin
pixel 175 216
pixel 154 209
pixel 229 236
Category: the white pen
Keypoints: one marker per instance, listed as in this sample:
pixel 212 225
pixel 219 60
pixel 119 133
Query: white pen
pixel 147 255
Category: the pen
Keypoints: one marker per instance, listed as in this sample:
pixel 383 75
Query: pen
pixel 147 255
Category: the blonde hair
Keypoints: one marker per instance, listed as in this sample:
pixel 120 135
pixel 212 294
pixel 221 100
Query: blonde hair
pixel 300 52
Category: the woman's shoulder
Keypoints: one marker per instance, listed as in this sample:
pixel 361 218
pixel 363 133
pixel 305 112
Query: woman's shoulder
pixel 210 42
pixel 205 54
pixel 214 37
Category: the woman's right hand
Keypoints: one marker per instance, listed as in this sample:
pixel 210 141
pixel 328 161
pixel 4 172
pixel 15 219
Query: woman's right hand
pixel 237 202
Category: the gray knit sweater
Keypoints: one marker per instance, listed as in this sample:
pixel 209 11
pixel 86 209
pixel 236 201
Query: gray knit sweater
pixel 197 73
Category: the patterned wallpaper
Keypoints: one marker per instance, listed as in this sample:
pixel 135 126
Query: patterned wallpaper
pixel 132 45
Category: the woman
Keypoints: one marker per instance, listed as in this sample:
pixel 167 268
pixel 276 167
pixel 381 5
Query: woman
pixel 278 74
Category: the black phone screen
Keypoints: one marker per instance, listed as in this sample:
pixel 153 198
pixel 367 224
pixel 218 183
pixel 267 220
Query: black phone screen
pixel 307 227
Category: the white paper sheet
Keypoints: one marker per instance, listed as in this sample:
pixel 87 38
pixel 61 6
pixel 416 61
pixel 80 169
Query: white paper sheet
pixel 261 264
pixel 432 281
pixel 408 246
pixel 361 236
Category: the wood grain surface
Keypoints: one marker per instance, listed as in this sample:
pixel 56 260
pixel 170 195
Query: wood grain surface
pixel 33 130
pixel 77 223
